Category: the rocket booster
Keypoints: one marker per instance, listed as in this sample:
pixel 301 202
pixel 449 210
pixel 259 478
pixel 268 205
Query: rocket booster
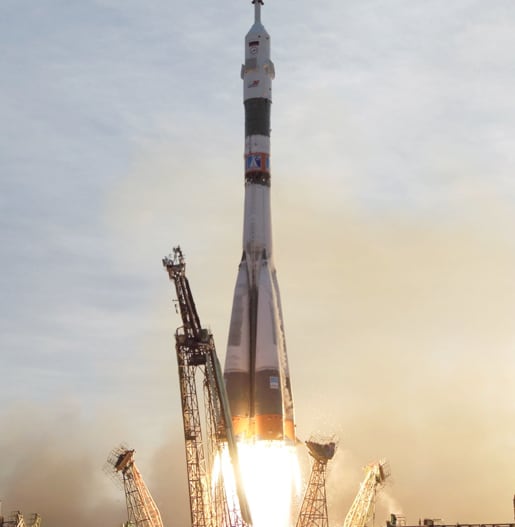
pixel 256 365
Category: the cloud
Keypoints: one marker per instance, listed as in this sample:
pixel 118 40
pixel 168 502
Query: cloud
pixel 54 465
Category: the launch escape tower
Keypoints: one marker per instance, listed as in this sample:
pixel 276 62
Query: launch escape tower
pixel 313 511
pixel 141 508
pixel 198 364
pixel 364 502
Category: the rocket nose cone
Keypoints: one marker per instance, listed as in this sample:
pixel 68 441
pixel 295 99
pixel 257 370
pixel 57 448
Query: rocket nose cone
pixel 258 30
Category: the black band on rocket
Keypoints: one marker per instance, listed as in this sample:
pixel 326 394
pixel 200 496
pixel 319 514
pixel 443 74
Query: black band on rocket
pixel 258 178
pixel 257 117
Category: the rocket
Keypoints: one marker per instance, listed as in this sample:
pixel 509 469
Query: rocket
pixel 256 365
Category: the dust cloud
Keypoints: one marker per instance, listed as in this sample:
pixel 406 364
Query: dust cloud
pixel 56 467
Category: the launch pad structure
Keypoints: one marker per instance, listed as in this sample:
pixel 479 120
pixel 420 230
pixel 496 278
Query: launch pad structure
pixel 210 505
pixel 364 502
pixel 432 523
pixel 16 519
pixel 142 510
pixel 313 510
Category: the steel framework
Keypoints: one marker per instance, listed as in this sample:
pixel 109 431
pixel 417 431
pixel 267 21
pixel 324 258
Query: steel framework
pixel 198 363
pixel 35 520
pixel 364 502
pixel 313 511
pixel 15 520
pixel 141 508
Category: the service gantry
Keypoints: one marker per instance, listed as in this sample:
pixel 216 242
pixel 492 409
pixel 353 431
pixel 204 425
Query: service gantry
pixel 313 511
pixel 16 520
pixel 363 505
pixel 198 363
pixel 142 510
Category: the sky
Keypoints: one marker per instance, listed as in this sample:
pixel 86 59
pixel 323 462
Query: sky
pixel 393 197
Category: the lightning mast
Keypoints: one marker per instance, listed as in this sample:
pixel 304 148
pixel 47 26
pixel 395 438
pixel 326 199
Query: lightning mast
pixel 363 504
pixel 196 354
pixel 313 511
pixel 141 508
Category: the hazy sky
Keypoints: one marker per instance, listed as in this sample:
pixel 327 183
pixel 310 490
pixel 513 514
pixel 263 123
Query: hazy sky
pixel 393 161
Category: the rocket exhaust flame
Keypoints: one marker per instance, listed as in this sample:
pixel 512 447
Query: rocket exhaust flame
pixel 270 476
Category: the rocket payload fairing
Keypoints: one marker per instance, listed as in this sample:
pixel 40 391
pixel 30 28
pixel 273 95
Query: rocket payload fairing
pixel 256 365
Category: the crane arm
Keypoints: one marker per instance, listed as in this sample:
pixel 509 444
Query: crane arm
pixel 142 510
pixel 196 347
pixel 361 508
pixel 176 267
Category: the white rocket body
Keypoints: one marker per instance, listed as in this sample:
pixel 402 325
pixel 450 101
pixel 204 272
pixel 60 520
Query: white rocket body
pixel 256 367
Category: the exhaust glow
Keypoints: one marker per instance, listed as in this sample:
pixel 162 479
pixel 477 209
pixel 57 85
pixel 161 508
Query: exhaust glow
pixel 271 477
